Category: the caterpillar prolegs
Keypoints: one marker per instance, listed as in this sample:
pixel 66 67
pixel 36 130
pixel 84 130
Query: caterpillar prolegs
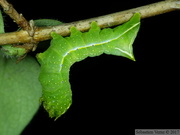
pixel 63 52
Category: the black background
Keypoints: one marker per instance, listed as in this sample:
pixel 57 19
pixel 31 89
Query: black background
pixel 112 94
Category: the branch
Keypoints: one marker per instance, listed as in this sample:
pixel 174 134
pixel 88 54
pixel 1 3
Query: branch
pixel 18 18
pixel 41 34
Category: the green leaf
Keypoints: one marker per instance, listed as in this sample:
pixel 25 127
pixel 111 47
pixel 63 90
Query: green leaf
pixel 46 22
pixel 20 91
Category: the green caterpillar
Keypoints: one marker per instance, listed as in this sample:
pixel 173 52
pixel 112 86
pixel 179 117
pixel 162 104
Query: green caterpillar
pixel 63 52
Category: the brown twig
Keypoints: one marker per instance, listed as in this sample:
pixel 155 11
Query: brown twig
pixel 83 25
pixel 28 27
pixel 18 18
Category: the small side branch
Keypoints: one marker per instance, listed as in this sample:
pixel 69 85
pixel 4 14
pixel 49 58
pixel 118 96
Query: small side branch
pixel 41 34
pixel 18 18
